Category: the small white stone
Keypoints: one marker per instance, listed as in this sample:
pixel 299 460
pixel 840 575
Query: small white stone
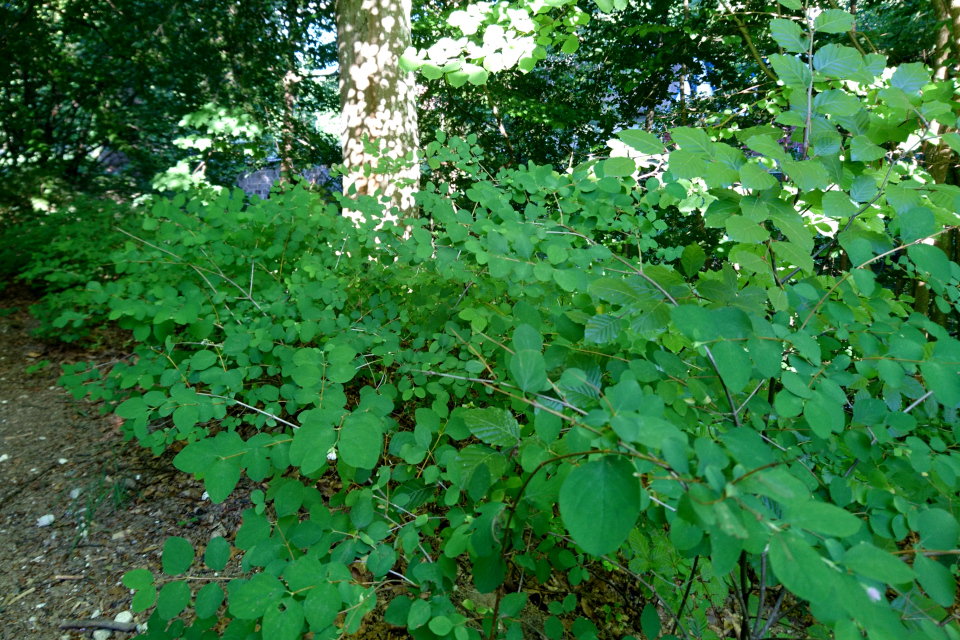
pixel 45 521
pixel 62 461
pixel 101 634
pixel 205 496
pixel 4 458
pixel 123 616
pixel 74 494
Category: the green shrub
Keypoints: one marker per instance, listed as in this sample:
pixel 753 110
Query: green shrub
pixel 527 381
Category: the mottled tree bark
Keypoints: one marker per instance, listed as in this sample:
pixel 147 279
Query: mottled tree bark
pixel 939 158
pixel 377 100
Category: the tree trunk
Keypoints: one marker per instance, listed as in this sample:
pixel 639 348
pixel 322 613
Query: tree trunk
pixel 939 158
pixel 287 169
pixel 378 101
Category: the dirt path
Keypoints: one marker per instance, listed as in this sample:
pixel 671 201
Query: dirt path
pixel 112 504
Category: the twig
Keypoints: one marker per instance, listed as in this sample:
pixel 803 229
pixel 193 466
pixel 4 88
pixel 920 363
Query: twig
pixel 742 28
pixel 873 441
pixel 773 614
pixel 93 623
pixel 686 594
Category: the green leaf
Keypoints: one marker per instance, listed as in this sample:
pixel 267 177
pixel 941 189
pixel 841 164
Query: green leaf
pixel 833 21
pixel 236 343
pixel 203 360
pixel 322 606
pixel 916 223
pixel 495 427
pixel 361 440
pixel 692 259
pixel 942 379
pixel 902 198
pixel 686 164
pixel 650 622
pixel 836 103
pixel 837 204
pixel 173 599
pixel 208 601
pixel 792 225
pixel 220 479
pixel 441 625
pixel 936 580
pixel 807 174
pixel 529 370
pixel 132 409
pixel 863 150
pixel 789 35
pixel 932 259
pixel 910 77
pixel 752 176
pixel 605 6
pixel 824 414
pixel 618 167
pixel 938 529
pixel 794 254
pixel 695 140
pixel 138 579
pixel 733 364
pixel 645 143
pixel 799 567
pixel 217 553
pixel 178 555
pixel 144 599
pixel 251 599
pixel 312 442
pixel 741 229
pixel 695 322
pixel 821 517
pixel 791 70
pixel 284 623
pixel 601 329
pixel 185 417
pixel 768 146
pixel 837 61
pixel 488 573
pixel 600 504
pixel 869 561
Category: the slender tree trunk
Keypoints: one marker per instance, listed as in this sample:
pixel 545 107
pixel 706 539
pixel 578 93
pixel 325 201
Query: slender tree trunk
pixel 939 158
pixel 290 81
pixel 378 101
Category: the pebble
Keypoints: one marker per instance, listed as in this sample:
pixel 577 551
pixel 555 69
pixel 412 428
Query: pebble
pixel 45 521
pixel 101 634
pixel 123 616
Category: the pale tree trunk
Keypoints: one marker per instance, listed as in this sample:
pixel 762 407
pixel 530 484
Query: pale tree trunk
pixel 378 100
